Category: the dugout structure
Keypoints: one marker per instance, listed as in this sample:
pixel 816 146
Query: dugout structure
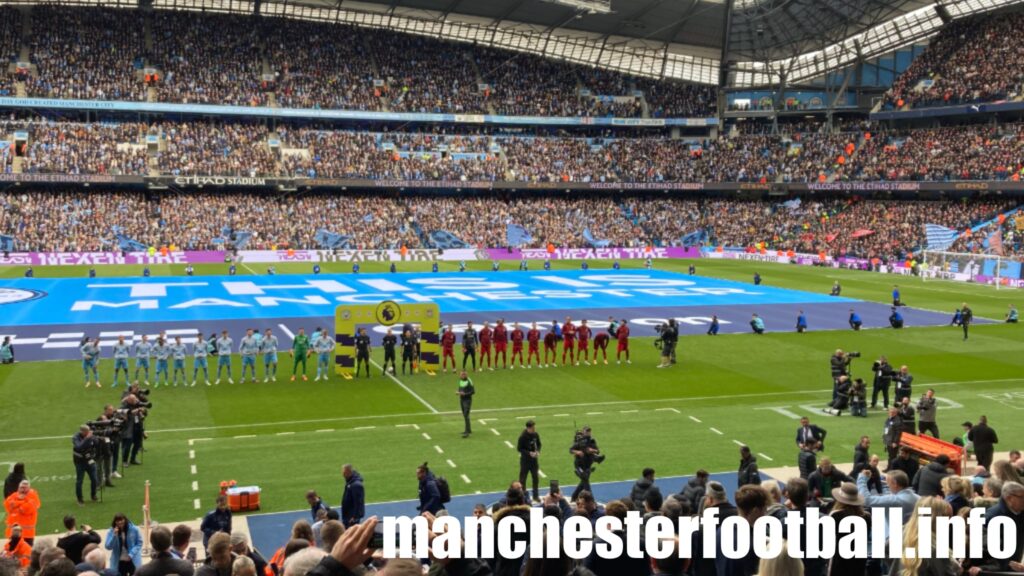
pixel 348 318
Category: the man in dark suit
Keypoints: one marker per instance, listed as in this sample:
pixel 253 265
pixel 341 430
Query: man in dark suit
pixel 163 562
pixel 891 433
pixel 984 440
pixel 809 433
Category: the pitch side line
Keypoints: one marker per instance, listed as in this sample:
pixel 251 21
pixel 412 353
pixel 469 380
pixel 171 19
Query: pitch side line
pixel 404 387
pixel 510 409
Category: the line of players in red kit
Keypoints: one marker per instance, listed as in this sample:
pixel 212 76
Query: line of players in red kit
pixel 575 344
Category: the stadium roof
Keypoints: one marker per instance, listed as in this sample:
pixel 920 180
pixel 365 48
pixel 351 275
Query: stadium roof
pixel 675 39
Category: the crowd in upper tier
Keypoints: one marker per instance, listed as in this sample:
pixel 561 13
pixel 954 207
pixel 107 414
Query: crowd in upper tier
pixel 980 152
pixel 972 60
pixel 210 58
pixel 89 221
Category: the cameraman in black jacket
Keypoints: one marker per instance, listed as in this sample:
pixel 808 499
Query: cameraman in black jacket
pixel 883 379
pixel 669 337
pixel 585 452
pixel 84 450
pixel 839 365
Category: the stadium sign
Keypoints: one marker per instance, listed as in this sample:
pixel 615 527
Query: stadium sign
pixel 70 178
pixel 221 181
pixel 592 253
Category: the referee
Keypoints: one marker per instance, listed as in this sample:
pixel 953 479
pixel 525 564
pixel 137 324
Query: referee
pixel 966 316
pixel 529 453
pixel 465 393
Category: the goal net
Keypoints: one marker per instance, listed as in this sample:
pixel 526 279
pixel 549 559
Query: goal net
pixel 990 269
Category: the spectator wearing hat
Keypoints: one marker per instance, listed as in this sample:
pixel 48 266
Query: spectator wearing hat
pixel 715 497
pixel 848 503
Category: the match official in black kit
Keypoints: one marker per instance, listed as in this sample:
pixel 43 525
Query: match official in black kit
pixel 529 457
pixel 362 352
pixel 390 341
pixel 465 393
pixel 469 343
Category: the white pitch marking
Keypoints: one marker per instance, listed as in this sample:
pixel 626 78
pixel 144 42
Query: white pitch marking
pixel 541 473
pixel 496 433
pixel 426 436
pixel 560 415
pixel 523 418
pixel 667 410
pixel 509 444
pixel 192 454
pixel 406 388
pixel 717 431
pixel 765 456
pixel 364 428
pixel 782 410
pixel 628 411
pixel 285 433
pixel 695 419
pixel 326 430
pixel 594 413
pixel 465 479
pixel 738 443
pixel 195 503
pixel 452 464
pixel 194 469
pixel 195 486
pixel 438 448
pixel 245 436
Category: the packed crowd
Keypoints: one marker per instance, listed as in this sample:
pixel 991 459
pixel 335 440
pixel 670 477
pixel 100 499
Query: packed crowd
pixel 887 229
pixel 100 53
pixel 972 60
pixel 10 39
pixel 986 152
pixel 86 54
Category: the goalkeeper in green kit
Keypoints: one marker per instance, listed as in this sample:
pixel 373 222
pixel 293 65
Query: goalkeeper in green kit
pixel 300 351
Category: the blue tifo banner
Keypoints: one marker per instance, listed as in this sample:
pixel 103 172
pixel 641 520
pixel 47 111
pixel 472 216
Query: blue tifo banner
pixel 129 245
pixel 516 235
pixel 940 237
pixel 595 243
pixel 6 243
pixel 332 240
pixel 36 301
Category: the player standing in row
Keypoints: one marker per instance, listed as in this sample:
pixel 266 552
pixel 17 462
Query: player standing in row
pixel 551 345
pixel 622 335
pixel 200 352
pixel 268 347
pixel 486 337
pixel 143 350
pixel 517 346
pixel 447 349
pixel 469 343
pixel 568 341
pixel 583 340
pixel 501 343
pixel 224 345
pixel 410 344
pixel 533 346
pixel 90 350
pixel 323 346
pixel 390 341
pixel 362 352
pixel 300 351
pixel 122 350
pixel 178 353
pixel 601 345
pixel 162 352
pixel 248 347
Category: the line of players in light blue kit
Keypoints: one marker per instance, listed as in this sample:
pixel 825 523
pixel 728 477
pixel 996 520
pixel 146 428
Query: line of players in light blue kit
pixel 168 357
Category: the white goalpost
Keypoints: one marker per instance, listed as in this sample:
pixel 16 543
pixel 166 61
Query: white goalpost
pixel 963 267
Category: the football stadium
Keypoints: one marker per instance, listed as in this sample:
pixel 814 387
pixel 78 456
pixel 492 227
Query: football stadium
pixel 272 271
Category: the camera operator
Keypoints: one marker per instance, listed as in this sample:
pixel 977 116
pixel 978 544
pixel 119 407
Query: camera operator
pixel 926 408
pixel 883 379
pixel 669 335
pixel 839 366
pixel 903 381
pixel 135 409
pixel 107 428
pixel 586 454
pixel 841 400
pixel 859 398
pixel 84 450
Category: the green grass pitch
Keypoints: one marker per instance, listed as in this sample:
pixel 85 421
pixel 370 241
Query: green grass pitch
pixel 291 437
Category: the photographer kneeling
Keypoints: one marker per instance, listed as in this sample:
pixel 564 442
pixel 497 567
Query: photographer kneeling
pixel 841 400
pixel 84 451
pixel 669 335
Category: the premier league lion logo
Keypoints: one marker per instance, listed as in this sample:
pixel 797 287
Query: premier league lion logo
pixel 388 313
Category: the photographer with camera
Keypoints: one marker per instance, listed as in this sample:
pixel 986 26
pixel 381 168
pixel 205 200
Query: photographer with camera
pixel 883 379
pixel 839 365
pixel 668 336
pixel 859 398
pixel 586 453
pixel 841 397
pixel 84 450
pixel 926 408
pixel 135 406
pixel 903 380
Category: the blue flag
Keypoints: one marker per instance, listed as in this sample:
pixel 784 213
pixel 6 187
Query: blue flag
pixel 595 243
pixel 6 243
pixel 332 240
pixel 128 245
pixel 693 238
pixel 516 235
pixel 939 237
